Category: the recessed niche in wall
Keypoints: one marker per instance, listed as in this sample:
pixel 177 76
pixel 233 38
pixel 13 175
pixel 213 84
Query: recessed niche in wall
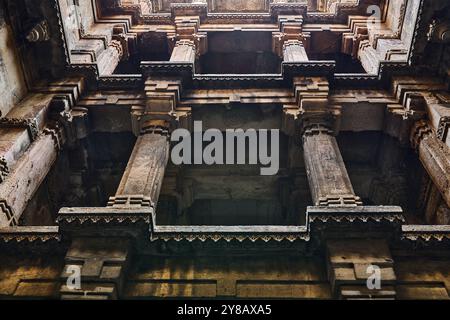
pixel 239 52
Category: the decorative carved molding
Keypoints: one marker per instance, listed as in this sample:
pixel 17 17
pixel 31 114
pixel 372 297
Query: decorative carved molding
pixel 229 238
pixel 7 211
pixel 130 201
pixel 40 235
pixel 425 234
pixel 56 135
pixel 420 131
pixel 110 216
pixel 29 124
pixel 343 200
pixel 4 170
pixel 365 214
pixel 443 128
pixel 39 33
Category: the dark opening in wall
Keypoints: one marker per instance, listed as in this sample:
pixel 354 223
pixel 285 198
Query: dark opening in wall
pixel 383 171
pixel 239 52
pixel 150 46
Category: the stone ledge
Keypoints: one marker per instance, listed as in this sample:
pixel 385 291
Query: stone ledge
pixel 29 234
pixel 392 214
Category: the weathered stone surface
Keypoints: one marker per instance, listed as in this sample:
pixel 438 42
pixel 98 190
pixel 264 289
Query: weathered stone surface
pixel 145 171
pixel 328 178
pixel 102 268
pixel 348 268
pixel 273 276
pixel 86 89
pixel 12 82
pixel 435 157
pixel 25 178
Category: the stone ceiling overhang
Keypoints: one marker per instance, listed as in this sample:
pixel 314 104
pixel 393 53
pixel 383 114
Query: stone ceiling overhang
pixel 118 13
pixel 140 225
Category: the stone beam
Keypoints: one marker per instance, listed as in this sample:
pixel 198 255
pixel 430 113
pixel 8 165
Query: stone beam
pixel 434 155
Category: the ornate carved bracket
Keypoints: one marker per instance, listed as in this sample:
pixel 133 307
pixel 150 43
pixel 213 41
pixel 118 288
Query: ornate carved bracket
pixel 290 42
pixel 187 34
pixel 39 33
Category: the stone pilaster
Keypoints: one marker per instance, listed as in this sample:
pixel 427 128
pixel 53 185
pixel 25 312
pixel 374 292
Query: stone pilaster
pixel 187 43
pixel 351 263
pixel 434 155
pixel 290 42
pixel 110 58
pixel 294 51
pixel 184 51
pixel 100 264
pixel 328 178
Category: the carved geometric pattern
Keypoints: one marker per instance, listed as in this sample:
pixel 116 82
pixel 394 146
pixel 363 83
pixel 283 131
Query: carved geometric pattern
pixel 443 128
pixel 420 131
pixel 8 212
pixel 133 200
pixel 29 124
pixel 4 170
pixel 160 130
pixel 216 237
pixel 340 201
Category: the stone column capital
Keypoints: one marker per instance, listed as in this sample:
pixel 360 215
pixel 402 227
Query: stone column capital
pixel 315 128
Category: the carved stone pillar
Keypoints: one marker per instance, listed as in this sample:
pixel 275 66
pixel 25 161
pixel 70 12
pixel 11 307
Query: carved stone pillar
pixel 94 268
pixel 143 177
pixel 434 155
pixel 328 178
pixel 26 176
pixel 187 42
pixel 184 51
pixel 110 58
pixel 294 51
pixel 289 43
